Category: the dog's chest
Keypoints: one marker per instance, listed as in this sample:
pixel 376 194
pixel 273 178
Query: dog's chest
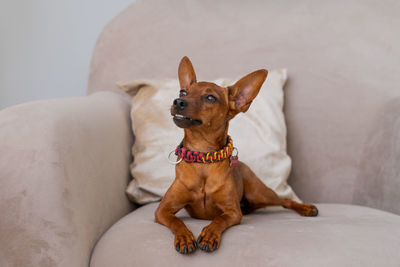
pixel 203 204
pixel 206 186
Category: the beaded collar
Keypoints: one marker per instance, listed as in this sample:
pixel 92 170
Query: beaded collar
pixel 209 157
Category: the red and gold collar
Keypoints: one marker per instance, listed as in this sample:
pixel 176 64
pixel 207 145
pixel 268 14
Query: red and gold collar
pixel 209 157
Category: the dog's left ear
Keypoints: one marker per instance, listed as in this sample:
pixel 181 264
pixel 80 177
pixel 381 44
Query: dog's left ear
pixel 186 73
pixel 242 93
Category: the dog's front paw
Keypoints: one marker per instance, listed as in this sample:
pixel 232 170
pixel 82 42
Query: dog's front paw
pixel 209 239
pixel 185 243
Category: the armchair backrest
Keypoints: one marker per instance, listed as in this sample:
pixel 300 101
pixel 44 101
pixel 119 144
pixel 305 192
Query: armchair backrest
pixel 342 98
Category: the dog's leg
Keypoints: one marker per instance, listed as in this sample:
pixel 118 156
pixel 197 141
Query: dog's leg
pixel 210 237
pixel 257 195
pixel 173 201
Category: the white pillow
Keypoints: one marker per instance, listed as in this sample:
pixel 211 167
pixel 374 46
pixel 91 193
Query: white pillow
pixel 259 135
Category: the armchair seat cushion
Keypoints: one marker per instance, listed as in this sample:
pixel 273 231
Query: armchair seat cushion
pixel 342 235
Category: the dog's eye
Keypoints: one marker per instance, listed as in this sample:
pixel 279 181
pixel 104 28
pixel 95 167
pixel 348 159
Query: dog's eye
pixel 182 93
pixel 211 99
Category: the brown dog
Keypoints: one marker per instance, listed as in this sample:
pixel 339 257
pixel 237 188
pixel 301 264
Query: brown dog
pixel 206 184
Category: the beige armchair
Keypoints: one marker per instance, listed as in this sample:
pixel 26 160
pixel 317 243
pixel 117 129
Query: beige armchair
pixel 64 164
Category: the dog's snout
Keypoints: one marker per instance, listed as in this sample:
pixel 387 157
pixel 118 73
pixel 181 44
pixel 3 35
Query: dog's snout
pixel 180 104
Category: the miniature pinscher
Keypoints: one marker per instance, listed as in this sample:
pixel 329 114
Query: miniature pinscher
pixel 210 183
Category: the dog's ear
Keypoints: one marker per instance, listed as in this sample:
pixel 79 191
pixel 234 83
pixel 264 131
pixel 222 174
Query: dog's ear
pixel 186 73
pixel 242 93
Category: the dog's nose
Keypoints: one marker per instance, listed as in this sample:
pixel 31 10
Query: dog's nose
pixel 180 104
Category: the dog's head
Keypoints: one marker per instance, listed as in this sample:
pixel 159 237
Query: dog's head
pixel 205 104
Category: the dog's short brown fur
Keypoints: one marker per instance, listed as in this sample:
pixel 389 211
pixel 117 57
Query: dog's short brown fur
pixel 214 191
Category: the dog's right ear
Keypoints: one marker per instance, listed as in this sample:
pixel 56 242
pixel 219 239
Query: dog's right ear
pixel 186 73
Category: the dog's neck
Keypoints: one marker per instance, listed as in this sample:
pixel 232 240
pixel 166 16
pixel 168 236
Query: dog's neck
pixel 205 141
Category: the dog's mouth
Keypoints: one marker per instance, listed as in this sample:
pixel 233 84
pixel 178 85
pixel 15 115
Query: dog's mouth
pixel 184 122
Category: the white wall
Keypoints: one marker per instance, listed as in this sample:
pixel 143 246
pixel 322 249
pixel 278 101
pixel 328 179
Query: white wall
pixel 46 46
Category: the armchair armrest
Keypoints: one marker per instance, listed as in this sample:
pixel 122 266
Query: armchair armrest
pixel 64 166
pixel 378 183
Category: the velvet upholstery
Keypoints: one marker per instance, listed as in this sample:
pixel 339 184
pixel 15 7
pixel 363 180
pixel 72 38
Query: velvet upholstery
pixel 342 235
pixel 64 165
pixel 342 96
